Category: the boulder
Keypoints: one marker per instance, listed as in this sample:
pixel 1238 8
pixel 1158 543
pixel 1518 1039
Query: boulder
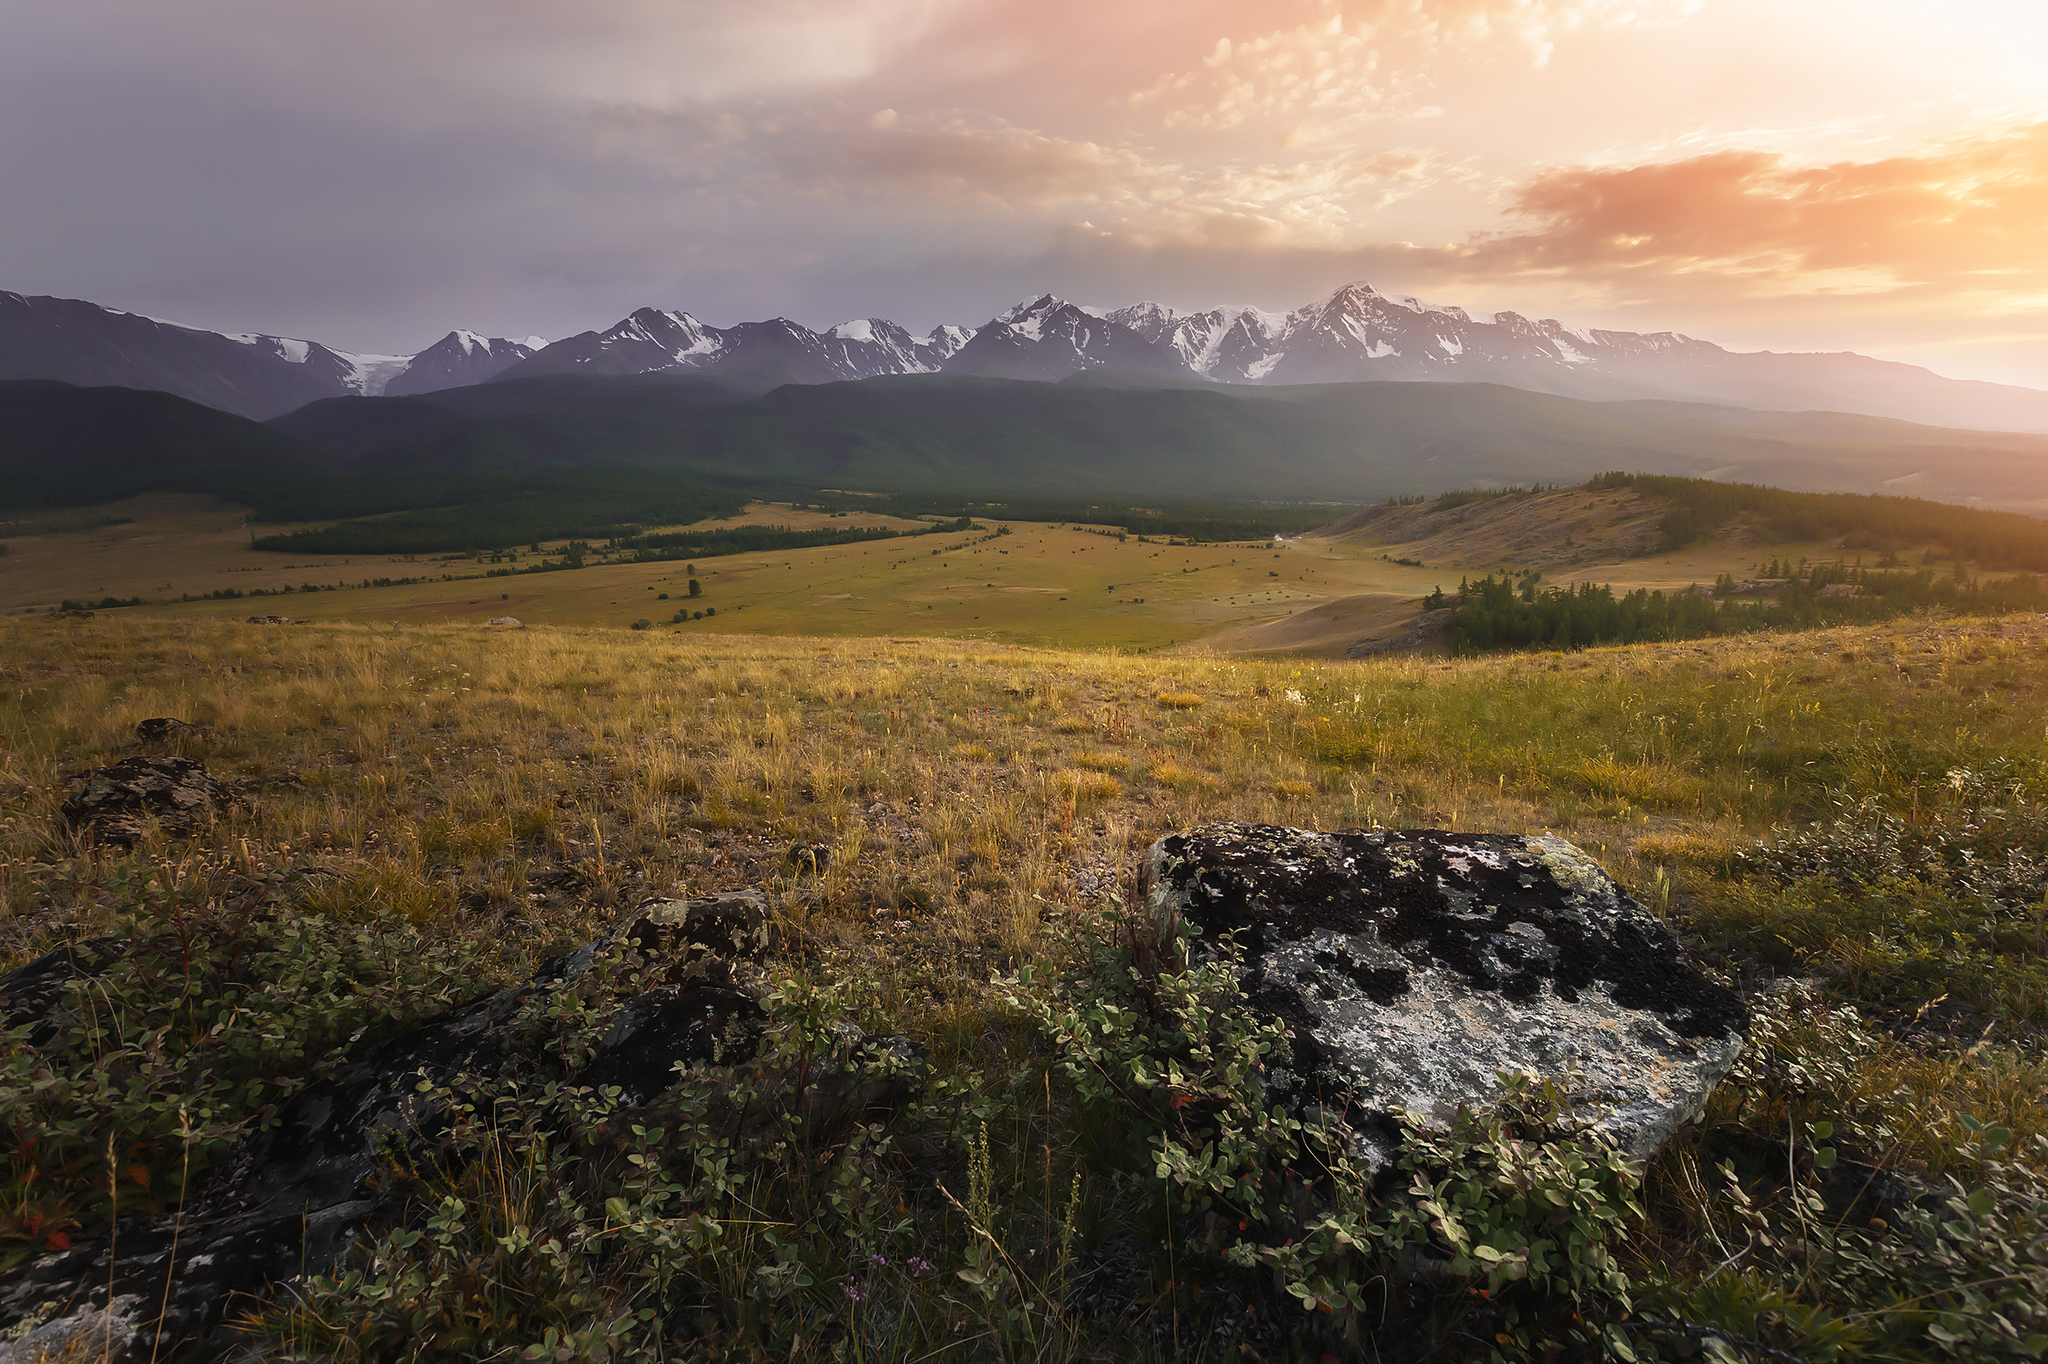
pixel 502 620
pixel 272 620
pixel 118 803
pixel 1415 967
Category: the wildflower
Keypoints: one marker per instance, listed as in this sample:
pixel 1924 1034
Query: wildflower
pixel 1296 697
pixel 853 1291
pixel 920 1267
pixel 877 1260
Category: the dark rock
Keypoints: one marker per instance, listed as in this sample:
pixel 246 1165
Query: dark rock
pixel 29 994
pixel 810 858
pixel 119 803
pixel 327 1140
pixel 732 923
pixel 554 881
pixel 163 729
pixel 1415 967
pixel 272 620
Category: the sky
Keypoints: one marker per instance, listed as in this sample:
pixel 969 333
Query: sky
pixel 1766 174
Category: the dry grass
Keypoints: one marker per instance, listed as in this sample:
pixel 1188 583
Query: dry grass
pixel 524 785
pixel 518 788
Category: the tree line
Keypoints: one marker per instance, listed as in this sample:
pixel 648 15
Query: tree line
pixel 1516 613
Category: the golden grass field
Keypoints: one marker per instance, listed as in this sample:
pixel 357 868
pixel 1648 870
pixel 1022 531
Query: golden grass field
pixel 502 794
pixel 458 762
pixel 1040 585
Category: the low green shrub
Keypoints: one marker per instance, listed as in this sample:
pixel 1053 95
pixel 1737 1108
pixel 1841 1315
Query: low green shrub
pixel 1500 1232
pixel 188 1040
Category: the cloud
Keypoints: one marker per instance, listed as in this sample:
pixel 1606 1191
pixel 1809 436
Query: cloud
pixel 1964 217
pixel 1017 174
pixel 1330 68
pixel 1932 255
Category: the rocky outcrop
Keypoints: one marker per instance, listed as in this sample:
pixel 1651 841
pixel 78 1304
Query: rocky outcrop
pixel 119 803
pixel 1426 628
pixel 1414 968
pixel 292 1200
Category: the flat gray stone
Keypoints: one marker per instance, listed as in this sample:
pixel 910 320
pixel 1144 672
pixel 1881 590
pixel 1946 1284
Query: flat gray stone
pixel 1415 967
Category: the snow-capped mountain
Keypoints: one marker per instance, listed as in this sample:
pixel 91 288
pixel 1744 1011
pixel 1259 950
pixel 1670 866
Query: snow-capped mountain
pixel 249 373
pixel 1355 334
pixel 654 341
pixel 1360 333
pixel 457 360
pixel 1050 338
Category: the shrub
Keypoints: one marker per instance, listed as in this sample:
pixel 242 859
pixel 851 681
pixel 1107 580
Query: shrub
pixel 1506 1202
pixel 187 1041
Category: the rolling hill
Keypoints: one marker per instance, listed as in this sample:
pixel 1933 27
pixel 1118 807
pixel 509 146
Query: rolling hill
pixel 1146 439
pixel 1158 437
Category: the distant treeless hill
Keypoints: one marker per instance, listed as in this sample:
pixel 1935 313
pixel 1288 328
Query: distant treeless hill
pixel 1163 439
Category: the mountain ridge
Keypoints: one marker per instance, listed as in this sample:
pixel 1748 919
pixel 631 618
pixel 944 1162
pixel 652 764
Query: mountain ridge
pixel 1356 334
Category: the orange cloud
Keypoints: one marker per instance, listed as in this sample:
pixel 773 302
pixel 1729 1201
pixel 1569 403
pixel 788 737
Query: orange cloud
pixel 1965 218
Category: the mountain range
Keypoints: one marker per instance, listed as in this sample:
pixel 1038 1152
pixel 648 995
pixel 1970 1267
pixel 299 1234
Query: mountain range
pixel 1356 334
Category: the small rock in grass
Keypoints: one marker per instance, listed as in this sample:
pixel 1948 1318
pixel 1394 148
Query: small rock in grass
pixel 118 803
pixel 163 729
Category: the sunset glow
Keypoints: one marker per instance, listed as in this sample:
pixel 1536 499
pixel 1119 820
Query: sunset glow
pixel 1791 176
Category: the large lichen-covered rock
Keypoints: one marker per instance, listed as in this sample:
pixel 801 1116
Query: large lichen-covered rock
pixel 1414 968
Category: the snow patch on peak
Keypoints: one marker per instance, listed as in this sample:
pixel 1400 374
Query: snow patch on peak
pixel 533 343
pixel 1264 323
pixel 947 338
pixel 860 329
pixel 1420 306
pixel 290 351
pixel 1031 308
pixel 369 375
pixel 1134 313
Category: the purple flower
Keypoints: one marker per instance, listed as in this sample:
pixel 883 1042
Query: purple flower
pixel 920 1267
pixel 877 1260
pixel 853 1292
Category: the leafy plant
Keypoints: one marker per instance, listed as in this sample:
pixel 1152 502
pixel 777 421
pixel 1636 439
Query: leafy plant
pixel 143 1073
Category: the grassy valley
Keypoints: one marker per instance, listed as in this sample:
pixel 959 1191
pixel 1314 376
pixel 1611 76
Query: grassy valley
pixel 939 754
